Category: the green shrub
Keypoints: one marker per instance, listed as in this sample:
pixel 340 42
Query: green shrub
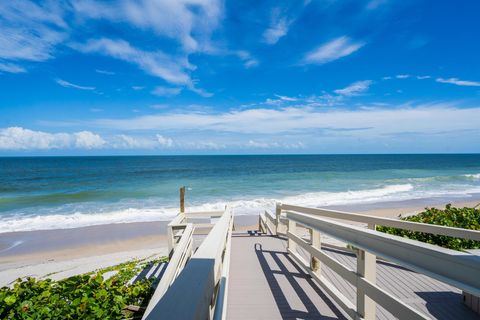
pixel 87 296
pixel 466 218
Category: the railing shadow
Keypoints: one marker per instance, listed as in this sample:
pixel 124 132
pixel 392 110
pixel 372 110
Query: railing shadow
pixel 447 305
pixel 286 310
pixel 190 295
pixel 149 271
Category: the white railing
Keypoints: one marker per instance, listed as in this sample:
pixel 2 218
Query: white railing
pixel 178 260
pixel 459 269
pixel 200 290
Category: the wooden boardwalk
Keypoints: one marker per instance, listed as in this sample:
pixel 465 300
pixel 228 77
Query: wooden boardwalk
pixel 265 283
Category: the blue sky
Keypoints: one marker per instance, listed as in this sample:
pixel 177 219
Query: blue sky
pixel 85 77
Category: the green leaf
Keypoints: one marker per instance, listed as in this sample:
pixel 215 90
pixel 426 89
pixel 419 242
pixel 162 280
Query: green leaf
pixel 9 300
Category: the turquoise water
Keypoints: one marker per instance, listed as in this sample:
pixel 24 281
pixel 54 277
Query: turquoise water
pixel 64 192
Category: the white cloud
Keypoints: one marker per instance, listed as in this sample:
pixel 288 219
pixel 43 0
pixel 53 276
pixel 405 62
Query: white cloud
pixel 190 22
pixel 387 78
pixel 421 118
pixel 286 98
pixel 333 50
pixel 251 63
pixel 67 84
pixel 459 82
pixel 123 141
pixel 256 144
pixel 164 141
pixel 166 91
pixel 202 145
pixel 423 77
pixel 138 88
pixel 201 92
pixel 87 140
pixel 273 145
pixel 30 31
pixel 11 68
pixel 402 76
pixel 355 88
pixel 278 28
pixel 106 72
pixel 246 57
pixel 17 138
pixel 172 70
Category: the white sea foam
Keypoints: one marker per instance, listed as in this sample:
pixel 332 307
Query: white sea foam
pixel 396 192
pixel 473 176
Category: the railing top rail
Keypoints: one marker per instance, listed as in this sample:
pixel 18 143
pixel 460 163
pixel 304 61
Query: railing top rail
pixel 389 222
pixel 456 268
pixel 205 212
pixel 215 240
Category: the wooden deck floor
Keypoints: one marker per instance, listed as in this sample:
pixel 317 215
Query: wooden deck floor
pixel 265 283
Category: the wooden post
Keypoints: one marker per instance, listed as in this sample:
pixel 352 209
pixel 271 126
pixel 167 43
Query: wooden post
pixel 170 240
pixel 278 212
pixel 292 228
pixel 316 243
pixel 182 199
pixel 366 268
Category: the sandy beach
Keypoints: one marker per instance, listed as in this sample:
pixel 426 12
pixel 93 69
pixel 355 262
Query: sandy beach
pixel 64 252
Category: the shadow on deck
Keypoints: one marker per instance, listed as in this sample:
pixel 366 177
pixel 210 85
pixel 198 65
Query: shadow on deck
pixel 265 283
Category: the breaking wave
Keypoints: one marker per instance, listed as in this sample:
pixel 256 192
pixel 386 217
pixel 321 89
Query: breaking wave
pixel 82 218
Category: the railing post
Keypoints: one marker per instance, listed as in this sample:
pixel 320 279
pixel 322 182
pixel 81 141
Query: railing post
pixel 316 243
pixel 170 240
pixel 292 228
pixel 366 268
pixel 278 212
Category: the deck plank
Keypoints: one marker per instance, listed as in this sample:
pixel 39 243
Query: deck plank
pixel 265 283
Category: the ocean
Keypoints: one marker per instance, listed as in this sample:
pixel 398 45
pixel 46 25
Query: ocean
pixel 38 193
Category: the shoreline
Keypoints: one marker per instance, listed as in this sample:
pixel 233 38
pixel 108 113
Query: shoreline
pixel 64 252
pixel 117 237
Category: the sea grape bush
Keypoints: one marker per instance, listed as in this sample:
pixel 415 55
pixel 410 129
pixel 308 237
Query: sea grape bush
pixel 467 218
pixel 87 296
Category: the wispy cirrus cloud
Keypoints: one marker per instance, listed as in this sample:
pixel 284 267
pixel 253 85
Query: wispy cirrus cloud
pixel 458 82
pixel 106 72
pixel 31 31
pixel 246 57
pixel 155 63
pixel 189 22
pixel 355 88
pixel 166 91
pixel 67 84
pixel 298 119
pixel 11 68
pixel 334 49
pixel 279 24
